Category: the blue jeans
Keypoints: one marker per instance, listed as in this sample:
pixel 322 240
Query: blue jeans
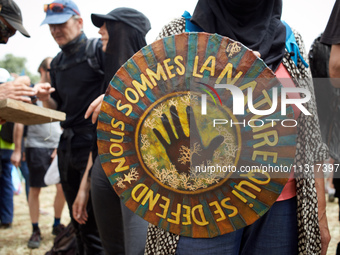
pixel 274 233
pixel 6 188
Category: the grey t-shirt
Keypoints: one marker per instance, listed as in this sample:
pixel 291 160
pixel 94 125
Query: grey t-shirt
pixel 43 135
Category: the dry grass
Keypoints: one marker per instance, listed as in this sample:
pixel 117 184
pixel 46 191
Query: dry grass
pixel 14 241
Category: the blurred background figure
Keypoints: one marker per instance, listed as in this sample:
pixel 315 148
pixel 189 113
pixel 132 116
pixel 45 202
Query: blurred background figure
pixel 41 143
pixel 331 37
pixel 328 105
pixel 6 188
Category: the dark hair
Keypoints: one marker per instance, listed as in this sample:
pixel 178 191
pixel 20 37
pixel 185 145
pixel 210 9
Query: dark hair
pixel 43 64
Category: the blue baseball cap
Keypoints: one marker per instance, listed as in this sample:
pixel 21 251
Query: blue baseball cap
pixel 61 12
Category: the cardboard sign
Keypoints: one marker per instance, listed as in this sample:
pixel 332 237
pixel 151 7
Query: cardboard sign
pixel 175 145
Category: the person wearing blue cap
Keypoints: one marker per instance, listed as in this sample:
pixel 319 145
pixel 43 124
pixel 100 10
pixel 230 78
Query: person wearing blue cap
pixel 76 85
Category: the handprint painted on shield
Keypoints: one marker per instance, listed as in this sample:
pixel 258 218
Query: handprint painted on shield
pixel 186 151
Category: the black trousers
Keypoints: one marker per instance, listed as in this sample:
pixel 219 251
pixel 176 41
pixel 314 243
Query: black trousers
pixel 121 230
pixel 72 164
pixel 108 213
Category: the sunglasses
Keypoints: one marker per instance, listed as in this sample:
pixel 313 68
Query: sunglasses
pixel 5 31
pixel 56 7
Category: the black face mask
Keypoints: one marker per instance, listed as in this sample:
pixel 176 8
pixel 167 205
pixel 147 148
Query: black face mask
pixel 254 23
pixel 120 48
pixel 5 32
pixel 244 3
pixel 2 40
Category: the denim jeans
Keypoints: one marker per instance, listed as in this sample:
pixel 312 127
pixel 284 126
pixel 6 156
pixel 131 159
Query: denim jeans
pixel 6 188
pixel 274 233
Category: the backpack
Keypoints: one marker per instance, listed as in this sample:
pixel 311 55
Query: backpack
pixel 90 56
pixel 90 49
pixel 6 132
pixel 65 243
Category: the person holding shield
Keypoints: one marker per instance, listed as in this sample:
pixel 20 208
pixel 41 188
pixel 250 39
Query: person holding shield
pixel 296 223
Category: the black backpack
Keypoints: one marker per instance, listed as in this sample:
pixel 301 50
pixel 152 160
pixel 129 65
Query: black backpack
pixel 6 132
pixel 90 57
pixel 65 242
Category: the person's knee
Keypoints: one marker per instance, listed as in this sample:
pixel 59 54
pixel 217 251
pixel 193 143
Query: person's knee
pixel 34 191
pixel 59 187
pixel 60 191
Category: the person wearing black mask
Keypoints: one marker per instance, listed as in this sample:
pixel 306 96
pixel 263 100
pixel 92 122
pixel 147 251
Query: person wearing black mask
pixel 123 33
pixel 296 223
pixel 10 21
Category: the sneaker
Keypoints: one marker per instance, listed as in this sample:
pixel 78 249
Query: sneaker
pixel 57 229
pixel 331 198
pixel 35 239
pixel 331 195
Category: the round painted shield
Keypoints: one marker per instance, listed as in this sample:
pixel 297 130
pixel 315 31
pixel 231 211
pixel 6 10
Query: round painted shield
pixel 193 135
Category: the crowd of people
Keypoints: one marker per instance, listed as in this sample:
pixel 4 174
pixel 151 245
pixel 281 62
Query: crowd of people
pixel 74 82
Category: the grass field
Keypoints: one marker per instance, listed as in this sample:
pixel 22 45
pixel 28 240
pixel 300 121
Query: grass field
pixel 14 241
